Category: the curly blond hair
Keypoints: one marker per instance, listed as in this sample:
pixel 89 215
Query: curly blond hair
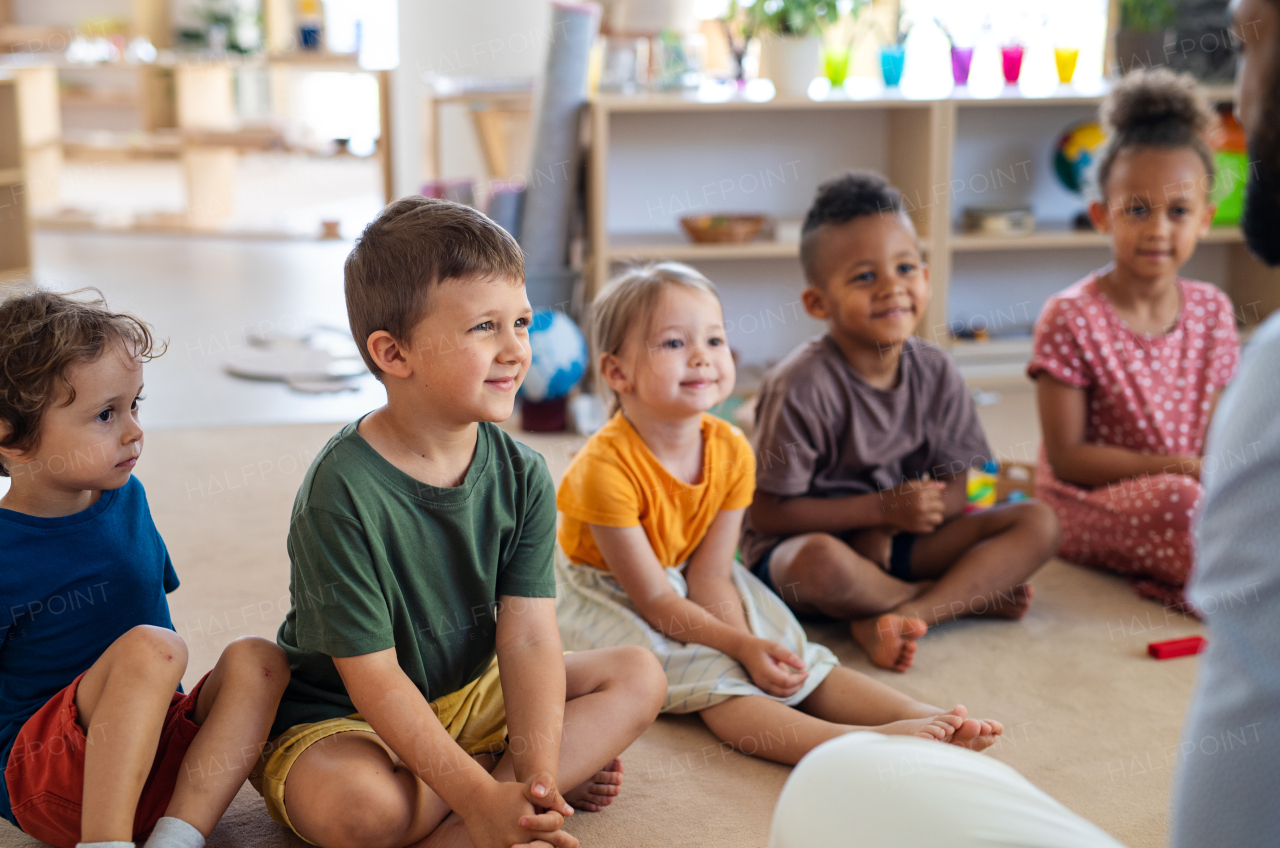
pixel 42 334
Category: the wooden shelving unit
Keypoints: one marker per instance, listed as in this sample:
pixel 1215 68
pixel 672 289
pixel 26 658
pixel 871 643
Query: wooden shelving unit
pixel 15 228
pixel 186 107
pixel 913 142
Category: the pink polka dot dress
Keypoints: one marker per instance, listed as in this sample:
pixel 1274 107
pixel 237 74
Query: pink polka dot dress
pixel 1150 394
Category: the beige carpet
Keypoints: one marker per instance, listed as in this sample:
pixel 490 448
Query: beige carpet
pixel 1091 719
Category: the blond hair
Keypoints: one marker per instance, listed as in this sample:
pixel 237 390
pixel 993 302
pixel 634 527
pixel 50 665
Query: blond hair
pixel 627 303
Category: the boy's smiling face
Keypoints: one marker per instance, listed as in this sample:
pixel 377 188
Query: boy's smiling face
pixel 868 280
pixel 92 443
pixel 471 352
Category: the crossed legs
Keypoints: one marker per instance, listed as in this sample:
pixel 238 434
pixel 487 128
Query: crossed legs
pixel 972 565
pixel 352 791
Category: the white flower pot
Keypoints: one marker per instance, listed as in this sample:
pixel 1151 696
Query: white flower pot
pixel 790 61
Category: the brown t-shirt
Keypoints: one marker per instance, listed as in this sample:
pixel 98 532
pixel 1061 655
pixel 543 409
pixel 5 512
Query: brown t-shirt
pixel 823 432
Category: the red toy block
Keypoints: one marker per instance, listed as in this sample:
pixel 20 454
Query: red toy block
pixel 1171 648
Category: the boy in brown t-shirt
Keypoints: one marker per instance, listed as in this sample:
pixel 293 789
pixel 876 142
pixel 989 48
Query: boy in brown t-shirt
pixel 864 438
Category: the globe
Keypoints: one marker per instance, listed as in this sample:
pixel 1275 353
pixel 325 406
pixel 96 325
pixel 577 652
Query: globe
pixel 1075 154
pixel 559 356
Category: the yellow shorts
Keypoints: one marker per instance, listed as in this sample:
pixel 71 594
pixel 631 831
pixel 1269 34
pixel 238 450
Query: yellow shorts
pixel 475 717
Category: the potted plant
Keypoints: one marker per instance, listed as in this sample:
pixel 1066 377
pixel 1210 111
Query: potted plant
pixel 790 38
pixel 1144 27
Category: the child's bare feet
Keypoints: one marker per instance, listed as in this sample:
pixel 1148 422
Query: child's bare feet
pixel 599 790
pixel 890 639
pixel 975 734
pixel 941 728
pixel 1001 606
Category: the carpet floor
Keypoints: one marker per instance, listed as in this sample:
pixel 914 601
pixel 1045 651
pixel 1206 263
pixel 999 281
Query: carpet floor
pixel 1090 718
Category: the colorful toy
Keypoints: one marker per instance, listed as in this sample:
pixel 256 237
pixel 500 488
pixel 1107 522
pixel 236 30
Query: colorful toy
pixel 1075 153
pixel 559 356
pixel 1171 648
pixel 981 487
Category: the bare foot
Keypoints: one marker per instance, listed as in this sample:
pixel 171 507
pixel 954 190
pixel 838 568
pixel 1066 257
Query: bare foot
pixel 1001 606
pixel 599 790
pixel 890 640
pixel 940 728
pixel 975 734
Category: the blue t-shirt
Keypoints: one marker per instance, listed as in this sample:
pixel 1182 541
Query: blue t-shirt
pixel 69 587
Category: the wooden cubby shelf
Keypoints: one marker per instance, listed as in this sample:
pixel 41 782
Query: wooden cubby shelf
pixel 657 156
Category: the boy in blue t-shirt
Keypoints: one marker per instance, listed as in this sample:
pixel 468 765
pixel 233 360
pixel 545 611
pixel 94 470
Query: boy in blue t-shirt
pixel 97 746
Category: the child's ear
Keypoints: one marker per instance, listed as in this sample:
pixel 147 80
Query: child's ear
pixel 1100 215
pixel 1210 209
pixel 388 354
pixel 614 377
pixel 815 302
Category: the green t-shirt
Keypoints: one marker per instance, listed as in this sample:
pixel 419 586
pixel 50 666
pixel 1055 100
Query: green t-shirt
pixel 380 560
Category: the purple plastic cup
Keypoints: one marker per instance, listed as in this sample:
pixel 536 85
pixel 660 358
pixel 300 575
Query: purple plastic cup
pixel 961 59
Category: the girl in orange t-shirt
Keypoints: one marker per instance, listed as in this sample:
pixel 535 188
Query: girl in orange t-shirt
pixel 652 510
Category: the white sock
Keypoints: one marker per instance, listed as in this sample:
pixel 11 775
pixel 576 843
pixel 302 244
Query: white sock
pixel 174 833
pixel 105 845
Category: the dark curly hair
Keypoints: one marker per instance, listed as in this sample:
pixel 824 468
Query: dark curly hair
pixel 839 200
pixel 1154 108
pixel 42 334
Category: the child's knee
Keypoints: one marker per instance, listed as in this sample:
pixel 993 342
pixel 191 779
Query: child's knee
pixel 151 653
pixel 1040 519
pixel 367 817
pixel 639 669
pixel 257 660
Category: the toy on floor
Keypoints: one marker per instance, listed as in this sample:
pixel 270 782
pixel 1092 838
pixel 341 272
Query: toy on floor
pixel 1171 648
pixel 558 363
pixel 995 483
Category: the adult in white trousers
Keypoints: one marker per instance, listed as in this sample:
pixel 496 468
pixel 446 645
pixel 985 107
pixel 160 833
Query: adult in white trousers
pixel 868 790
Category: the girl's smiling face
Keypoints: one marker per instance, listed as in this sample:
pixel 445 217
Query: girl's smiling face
pixel 1156 208
pixel 680 364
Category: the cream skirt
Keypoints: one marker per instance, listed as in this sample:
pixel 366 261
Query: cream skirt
pixel 595 612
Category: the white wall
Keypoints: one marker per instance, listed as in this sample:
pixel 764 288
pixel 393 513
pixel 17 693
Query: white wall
pixel 489 38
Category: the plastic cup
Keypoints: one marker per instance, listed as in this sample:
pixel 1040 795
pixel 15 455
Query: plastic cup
pixel 1011 60
pixel 892 59
pixel 835 64
pixel 961 59
pixel 1065 58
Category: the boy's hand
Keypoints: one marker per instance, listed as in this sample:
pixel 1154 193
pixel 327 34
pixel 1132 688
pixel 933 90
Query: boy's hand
pixel 772 667
pixel 541 791
pixel 504 816
pixel 915 506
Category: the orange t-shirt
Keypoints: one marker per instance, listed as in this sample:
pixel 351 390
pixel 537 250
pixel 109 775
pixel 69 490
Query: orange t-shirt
pixel 615 481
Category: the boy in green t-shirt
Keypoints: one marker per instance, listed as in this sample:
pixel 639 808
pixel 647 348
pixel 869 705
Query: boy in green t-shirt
pixel 421 541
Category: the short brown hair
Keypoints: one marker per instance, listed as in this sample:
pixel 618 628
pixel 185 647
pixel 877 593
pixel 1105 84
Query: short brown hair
pixel 414 244
pixel 42 334
pixel 627 304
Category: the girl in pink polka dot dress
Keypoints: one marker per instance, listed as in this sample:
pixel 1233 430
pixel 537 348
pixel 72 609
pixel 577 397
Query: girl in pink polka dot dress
pixel 1130 361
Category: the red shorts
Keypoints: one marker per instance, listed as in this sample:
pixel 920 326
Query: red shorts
pixel 45 774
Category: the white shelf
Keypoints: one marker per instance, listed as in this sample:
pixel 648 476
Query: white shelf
pixel 883 98
pixel 1059 239
pixel 655 246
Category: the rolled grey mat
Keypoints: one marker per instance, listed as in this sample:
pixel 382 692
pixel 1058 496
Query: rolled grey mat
pixel 553 171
